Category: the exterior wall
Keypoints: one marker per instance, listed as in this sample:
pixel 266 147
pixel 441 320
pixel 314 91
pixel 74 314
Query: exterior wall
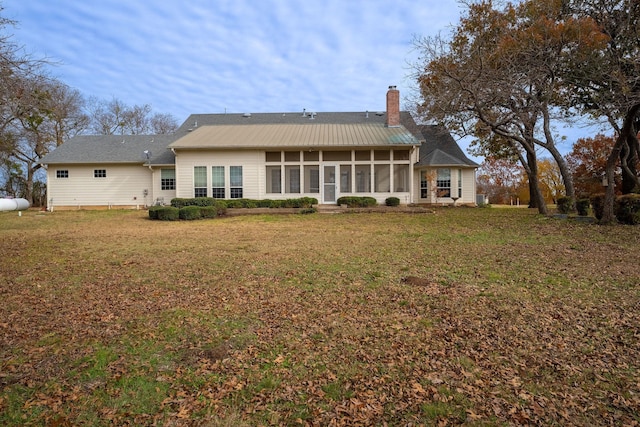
pixel 157 194
pixel 251 162
pixel 124 186
pixel 468 187
pixel 254 170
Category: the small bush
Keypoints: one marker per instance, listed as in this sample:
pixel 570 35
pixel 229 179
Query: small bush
pixel 221 207
pixel 357 202
pixel 627 209
pixel 168 213
pixel 153 211
pixel 194 201
pixel 306 211
pixel 392 201
pixel 582 206
pixel 597 203
pixel 190 213
pixel 209 212
pixel 565 204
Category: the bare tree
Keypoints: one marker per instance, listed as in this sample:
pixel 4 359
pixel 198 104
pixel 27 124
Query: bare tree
pixel 116 118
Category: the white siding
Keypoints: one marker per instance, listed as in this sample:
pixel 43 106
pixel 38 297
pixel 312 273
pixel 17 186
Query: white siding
pixel 252 163
pixel 123 185
pixel 468 187
pixel 157 192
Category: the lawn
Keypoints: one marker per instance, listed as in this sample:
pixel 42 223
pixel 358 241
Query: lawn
pixel 463 316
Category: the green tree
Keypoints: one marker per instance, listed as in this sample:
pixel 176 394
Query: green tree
pixel 497 78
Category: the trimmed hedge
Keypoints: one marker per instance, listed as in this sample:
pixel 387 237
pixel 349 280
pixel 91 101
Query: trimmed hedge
pixel 392 201
pixel 357 202
pixel 194 201
pixel 582 206
pixel 597 203
pixel 190 212
pixel 302 202
pixel 167 213
pixel 564 204
pixel 627 209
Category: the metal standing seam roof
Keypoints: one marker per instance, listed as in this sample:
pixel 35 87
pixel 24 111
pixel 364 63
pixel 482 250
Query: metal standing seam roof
pixel 295 135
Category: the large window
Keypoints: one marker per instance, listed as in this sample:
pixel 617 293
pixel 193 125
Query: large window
pixel 424 184
pixel 459 183
pixel 167 179
pixel 292 179
pixel 235 180
pixel 99 173
pixel 345 178
pixel 363 178
pixel 312 179
pixel 382 181
pixel 274 179
pixel 64 173
pixel 200 181
pixel 443 182
pixel 217 182
pixel 401 178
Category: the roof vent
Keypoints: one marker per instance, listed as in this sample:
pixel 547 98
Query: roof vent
pixel 312 116
pixel 246 115
pixel 195 125
pixel 380 113
pixel 366 114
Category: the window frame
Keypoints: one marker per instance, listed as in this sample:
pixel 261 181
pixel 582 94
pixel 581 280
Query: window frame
pixel 167 183
pixel 99 173
pixel 62 173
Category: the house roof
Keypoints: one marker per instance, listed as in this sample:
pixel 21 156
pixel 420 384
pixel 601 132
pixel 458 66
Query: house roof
pixel 113 149
pixel 440 149
pixel 308 134
pixel 337 118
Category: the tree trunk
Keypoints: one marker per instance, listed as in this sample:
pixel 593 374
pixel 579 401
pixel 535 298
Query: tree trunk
pixel 534 185
pixel 628 129
pixel 567 177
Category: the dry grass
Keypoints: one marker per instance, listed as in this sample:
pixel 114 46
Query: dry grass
pixel 474 316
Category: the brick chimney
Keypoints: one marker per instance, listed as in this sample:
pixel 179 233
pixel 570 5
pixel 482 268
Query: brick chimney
pixel 393 107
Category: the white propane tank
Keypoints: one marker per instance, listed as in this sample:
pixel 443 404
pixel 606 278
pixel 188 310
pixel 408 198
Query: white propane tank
pixel 14 204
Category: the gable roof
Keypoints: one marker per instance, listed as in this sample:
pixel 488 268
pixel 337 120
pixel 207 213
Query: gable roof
pixel 113 149
pixel 440 149
pixel 295 135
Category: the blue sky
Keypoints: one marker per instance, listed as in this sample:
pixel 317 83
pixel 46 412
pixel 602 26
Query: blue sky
pixel 236 56
pixel 199 56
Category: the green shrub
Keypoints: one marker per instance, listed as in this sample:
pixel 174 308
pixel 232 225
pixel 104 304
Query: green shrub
pixel 194 201
pixel 153 211
pixel 627 208
pixel 221 207
pixel 582 206
pixel 305 211
pixel 392 201
pixel 597 203
pixel 357 202
pixel 168 213
pixel 565 204
pixel 190 212
pixel 209 212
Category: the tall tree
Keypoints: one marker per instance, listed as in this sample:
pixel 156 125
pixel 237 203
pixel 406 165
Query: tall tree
pixel 588 163
pixel 607 84
pixel 117 118
pixel 498 73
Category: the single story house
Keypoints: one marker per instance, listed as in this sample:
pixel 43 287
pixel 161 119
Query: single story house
pixel 266 156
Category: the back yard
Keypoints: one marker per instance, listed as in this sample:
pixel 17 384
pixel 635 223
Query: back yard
pixel 466 316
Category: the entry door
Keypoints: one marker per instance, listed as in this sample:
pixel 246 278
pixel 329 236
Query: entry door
pixel 329 184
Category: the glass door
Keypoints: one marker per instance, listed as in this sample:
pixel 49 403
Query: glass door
pixel 329 184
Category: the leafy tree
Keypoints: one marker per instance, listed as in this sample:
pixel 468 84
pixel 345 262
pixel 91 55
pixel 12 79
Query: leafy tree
pixel 588 162
pixel 499 179
pixel 497 78
pixel 607 84
pixel 551 182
